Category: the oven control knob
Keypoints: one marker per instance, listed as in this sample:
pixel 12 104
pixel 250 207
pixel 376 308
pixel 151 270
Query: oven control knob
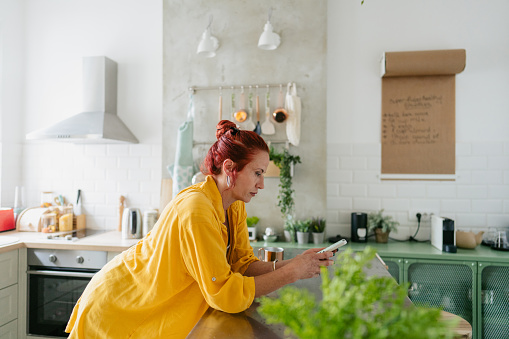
pixel 80 259
pixel 52 258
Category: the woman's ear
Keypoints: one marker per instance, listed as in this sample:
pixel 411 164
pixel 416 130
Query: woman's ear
pixel 228 167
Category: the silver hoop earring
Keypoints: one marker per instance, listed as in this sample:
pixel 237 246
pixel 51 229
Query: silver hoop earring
pixel 228 181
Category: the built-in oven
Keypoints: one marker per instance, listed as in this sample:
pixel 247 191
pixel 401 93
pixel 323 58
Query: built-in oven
pixel 56 280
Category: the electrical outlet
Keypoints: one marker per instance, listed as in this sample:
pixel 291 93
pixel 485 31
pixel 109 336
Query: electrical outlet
pixel 425 215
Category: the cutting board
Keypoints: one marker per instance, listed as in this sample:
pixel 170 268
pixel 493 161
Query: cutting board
pixel 166 193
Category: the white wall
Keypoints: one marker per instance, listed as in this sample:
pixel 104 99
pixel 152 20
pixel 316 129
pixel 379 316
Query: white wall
pixel 12 56
pixel 59 33
pixel 357 36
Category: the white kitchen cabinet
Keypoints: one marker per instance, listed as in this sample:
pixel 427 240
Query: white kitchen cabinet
pixel 8 292
pixel 9 330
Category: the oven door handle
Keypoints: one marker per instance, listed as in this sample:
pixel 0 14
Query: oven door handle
pixel 62 274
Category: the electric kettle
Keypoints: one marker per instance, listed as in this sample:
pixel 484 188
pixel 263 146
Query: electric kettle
pixel 131 223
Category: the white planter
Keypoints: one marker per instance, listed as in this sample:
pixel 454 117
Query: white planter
pixel 318 238
pixel 302 237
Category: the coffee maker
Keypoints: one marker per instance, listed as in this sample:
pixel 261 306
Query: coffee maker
pixel 443 234
pixel 359 227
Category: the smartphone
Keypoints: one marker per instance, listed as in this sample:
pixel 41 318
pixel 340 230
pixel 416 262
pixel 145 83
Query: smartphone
pixel 334 246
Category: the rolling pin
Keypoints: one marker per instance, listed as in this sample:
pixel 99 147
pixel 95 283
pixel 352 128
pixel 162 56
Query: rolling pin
pixel 120 212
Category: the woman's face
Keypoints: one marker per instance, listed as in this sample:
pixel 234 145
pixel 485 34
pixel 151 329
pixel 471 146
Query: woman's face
pixel 250 179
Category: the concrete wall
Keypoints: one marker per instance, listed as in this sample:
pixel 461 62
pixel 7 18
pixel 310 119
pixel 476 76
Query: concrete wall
pixel 301 58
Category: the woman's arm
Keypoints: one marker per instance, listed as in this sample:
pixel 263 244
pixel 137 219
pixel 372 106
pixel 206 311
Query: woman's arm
pixel 303 266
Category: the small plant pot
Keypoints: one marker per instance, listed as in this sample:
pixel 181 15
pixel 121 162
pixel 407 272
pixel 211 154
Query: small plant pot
pixel 289 237
pixel 318 238
pixel 381 237
pixel 302 237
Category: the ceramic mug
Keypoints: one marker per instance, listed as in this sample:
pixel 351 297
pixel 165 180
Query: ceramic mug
pixel 271 253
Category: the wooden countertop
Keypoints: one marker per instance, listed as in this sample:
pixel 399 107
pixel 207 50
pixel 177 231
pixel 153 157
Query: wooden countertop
pixel 110 241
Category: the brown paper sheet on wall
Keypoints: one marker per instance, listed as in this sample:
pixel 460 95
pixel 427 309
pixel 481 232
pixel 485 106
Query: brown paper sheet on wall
pixel 418 112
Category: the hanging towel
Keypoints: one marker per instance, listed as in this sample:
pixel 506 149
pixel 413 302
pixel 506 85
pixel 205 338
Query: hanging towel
pixel 293 108
pixel 182 170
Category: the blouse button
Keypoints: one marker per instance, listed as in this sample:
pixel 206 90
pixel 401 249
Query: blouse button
pixel 213 278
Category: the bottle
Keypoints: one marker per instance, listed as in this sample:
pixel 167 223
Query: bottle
pixel 19 201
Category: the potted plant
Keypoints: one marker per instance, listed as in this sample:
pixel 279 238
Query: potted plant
pixel 317 226
pixel 381 225
pixel 354 305
pixel 302 228
pixel 251 226
pixel 289 229
pixel 284 161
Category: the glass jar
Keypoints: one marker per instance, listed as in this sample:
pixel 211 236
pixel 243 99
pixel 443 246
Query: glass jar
pixel 65 222
pixel 49 223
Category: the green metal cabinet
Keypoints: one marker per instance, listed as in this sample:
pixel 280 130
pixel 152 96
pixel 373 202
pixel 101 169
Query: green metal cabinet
pixel 493 300
pixel 395 268
pixel 450 285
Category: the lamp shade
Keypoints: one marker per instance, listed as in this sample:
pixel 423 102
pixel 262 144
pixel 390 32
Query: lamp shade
pixel 208 45
pixel 269 40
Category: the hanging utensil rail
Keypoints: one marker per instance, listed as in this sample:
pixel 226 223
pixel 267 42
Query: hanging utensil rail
pixel 193 89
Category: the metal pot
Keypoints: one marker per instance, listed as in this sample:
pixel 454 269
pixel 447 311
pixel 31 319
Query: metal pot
pixel 131 223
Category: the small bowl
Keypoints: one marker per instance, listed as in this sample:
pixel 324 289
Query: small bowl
pixel 270 238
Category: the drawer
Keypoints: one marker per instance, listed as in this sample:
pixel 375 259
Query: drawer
pixel 9 331
pixel 8 304
pixel 9 268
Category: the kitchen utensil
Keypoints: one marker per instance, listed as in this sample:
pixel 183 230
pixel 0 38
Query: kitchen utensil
pixel 241 114
pixel 293 108
pixel 121 211
pixel 220 104
pixel 249 125
pixel 149 220
pixel 258 128
pixel 131 223
pixel 280 114
pixel 267 126
pixel 77 207
pixel 271 253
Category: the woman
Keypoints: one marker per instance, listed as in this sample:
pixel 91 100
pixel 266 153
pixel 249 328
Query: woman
pixel 197 255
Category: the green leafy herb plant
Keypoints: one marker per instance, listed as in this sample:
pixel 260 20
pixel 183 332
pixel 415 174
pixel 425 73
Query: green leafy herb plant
pixel 354 306
pixel 302 226
pixel 385 223
pixel 252 221
pixel 284 161
pixel 318 225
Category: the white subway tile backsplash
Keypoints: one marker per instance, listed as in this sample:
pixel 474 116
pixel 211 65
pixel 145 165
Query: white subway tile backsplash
pixel 129 162
pixel 139 174
pixel 339 203
pixel 367 150
pixel 126 187
pixel 117 174
pixel 332 162
pixel 411 190
pixel 339 149
pixel 498 220
pixel 463 149
pixel 396 205
pixel 332 190
pixel 456 205
pixel 374 164
pixel 366 204
pixel 472 163
pixel 487 177
pixel 425 205
pixel 95 150
pixel 499 191
pixel 487 206
pixel 357 163
pixel 117 150
pixel 466 220
pixel 441 191
pixel 487 148
pixel 381 190
pixel 353 190
pixel 366 177
pixel 498 162
pixel 340 176
pixel 472 191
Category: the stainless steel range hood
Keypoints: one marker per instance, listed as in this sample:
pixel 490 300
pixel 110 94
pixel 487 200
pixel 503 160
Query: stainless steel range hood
pixel 98 123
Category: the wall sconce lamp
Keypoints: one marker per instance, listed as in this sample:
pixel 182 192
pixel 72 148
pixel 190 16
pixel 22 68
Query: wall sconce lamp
pixel 208 43
pixel 269 40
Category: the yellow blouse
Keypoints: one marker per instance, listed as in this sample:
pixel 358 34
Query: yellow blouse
pixel 161 287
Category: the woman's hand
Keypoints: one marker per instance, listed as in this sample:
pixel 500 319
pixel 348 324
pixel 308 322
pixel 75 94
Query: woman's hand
pixel 307 264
